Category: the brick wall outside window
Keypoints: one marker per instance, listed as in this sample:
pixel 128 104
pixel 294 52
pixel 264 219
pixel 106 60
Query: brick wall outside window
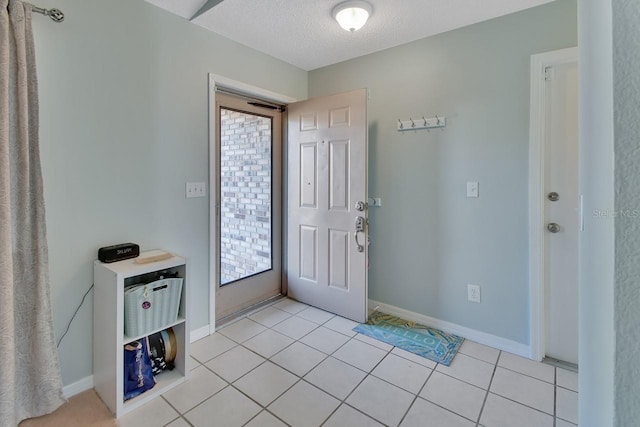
pixel 245 185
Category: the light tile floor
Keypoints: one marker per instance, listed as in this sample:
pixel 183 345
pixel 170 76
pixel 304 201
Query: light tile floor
pixel 291 364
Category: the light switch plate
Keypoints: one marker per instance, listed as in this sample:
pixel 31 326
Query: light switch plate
pixel 472 189
pixel 196 189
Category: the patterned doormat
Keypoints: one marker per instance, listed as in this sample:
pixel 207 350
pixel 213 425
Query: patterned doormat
pixel 413 337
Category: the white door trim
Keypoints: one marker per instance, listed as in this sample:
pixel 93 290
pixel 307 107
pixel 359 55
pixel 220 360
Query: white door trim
pixel 539 63
pixel 221 81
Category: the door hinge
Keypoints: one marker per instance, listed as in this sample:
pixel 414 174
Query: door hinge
pixel 548 74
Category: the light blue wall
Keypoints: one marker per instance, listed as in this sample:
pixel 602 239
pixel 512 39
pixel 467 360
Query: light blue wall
pixel 429 240
pixel 123 104
pixel 626 107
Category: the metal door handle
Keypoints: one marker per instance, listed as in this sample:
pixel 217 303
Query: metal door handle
pixel 553 227
pixel 360 225
pixel 358 245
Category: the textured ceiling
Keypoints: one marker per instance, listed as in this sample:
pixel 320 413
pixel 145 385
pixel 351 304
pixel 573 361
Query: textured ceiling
pixel 303 32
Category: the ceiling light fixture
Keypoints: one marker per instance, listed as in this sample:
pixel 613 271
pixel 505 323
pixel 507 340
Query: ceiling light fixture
pixel 352 15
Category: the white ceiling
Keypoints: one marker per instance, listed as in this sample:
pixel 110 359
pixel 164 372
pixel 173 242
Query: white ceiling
pixel 303 32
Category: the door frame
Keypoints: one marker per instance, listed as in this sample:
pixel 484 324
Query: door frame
pixel 539 63
pixel 258 92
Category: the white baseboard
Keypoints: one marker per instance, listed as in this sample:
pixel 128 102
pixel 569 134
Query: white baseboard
pixel 79 386
pixel 199 333
pixel 451 328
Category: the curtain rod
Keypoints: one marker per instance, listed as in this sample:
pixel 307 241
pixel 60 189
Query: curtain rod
pixel 55 14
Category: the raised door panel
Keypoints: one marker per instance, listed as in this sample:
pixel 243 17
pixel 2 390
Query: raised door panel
pixel 339 175
pixel 308 175
pixel 339 259
pixel 308 121
pixel 308 254
pixel 339 117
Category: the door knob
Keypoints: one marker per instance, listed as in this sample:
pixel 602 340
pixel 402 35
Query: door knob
pixel 553 227
pixel 553 196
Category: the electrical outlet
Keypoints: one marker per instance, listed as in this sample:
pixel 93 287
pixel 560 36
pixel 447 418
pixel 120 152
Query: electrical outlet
pixel 195 189
pixel 472 189
pixel 473 293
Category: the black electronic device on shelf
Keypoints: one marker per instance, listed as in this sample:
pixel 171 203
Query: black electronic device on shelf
pixel 118 252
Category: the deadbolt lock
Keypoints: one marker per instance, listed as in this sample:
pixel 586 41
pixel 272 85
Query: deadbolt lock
pixel 360 228
pixel 553 227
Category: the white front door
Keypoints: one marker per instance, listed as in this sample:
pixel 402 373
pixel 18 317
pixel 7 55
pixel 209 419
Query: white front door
pixel 561 212
pixel 327 178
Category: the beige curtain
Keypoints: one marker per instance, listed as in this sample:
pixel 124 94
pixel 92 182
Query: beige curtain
pixel 30 383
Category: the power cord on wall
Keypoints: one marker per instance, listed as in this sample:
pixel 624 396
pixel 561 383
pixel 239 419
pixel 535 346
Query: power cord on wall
pixel 74 315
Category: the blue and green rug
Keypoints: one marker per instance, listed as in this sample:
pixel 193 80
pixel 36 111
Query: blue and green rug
pixel 413 337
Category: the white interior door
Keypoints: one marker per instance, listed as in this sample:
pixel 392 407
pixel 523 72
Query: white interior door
pixel 327 177
pixel 561 239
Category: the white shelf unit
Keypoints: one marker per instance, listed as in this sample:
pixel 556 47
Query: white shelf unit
pixel 108 331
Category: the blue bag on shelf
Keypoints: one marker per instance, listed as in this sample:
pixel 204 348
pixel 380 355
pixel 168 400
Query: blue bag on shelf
pixel 138 374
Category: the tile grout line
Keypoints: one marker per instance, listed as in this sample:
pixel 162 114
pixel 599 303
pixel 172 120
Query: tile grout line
pixel 418 394
pixel 461 351
pixel 360 369
pixel 567 389
pixel 254 417
pixel 521 403
pixel 450 410
pixel 180 415
pixel 450 376
pixel 555 396
pixel 343 401
pixel 526 375
pixel 461 380
pixel 220 354
pixel 497 364
pixel 486 396
pixel 263 408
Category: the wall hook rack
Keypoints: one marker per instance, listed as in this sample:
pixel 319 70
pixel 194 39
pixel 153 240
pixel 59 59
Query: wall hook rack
pixel 425 123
